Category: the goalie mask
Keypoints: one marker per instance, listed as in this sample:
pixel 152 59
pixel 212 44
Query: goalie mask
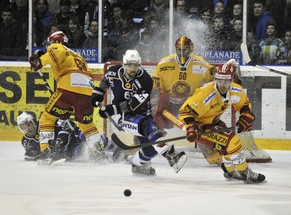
pixel 26 123
pixel 224 77
pixel 57 37
pixel 131 63
pixel 184 47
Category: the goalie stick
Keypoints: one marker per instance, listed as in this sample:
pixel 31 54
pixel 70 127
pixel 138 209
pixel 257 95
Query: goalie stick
pixel 168 115
pixel 123 146
pixel 247 60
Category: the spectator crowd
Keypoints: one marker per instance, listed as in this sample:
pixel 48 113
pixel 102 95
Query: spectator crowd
pixel 144 25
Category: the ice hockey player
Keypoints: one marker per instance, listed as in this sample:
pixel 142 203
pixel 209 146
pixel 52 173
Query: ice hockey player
pixel 73 93
pixel 68 142
pixel 176 78
pixel 202 112
pixel 68 139
pixel 131 86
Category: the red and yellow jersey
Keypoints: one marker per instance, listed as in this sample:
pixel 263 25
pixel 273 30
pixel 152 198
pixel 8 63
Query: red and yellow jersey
pixel 207 105
pixel 180 82
pixel 70 70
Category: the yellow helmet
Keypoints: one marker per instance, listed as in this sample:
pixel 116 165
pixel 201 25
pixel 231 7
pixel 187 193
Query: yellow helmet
pixel 184 47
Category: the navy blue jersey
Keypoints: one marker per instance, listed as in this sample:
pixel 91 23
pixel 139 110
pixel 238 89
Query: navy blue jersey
pixel 71 138
pixel 123 88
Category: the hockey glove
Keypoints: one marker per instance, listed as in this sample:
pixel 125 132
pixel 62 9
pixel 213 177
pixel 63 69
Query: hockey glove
pixel 245 121
pixel 138 103
pixel 97 96
pixel 193 132
pixel 109 110
pixel 35 62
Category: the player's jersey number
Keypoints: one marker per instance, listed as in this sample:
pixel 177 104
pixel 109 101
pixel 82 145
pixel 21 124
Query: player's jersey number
pixel 182 76
pixel 80 64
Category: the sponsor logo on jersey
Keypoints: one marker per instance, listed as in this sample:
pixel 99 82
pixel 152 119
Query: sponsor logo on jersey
pixel 45 136
pixel 164 68
pixel 87 118
pixel 217 138
pixel 52 100
pixel 209 98
pixel 110 73
pixel 198 70
pixel 181 89
pixel 130 126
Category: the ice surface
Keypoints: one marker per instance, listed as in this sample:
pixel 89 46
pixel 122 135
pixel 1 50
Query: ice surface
pixel 89 188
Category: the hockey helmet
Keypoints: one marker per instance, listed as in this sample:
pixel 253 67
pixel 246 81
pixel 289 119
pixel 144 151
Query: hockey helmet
pixel 57 37
pixel 131 57
pixel 226 72
pixel 184 47
pixel 23 119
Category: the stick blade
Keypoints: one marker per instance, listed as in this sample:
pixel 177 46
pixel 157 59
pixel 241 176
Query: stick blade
pixel 245 53
pixel 119 143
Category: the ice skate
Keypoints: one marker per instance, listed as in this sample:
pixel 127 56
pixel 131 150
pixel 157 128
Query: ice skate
pixel 175 160
pixel 252 177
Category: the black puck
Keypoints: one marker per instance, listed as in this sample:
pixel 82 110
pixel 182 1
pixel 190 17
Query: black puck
pixel 127 192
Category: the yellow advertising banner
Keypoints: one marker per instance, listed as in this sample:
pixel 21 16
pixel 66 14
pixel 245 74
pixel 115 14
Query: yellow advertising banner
pixel 23 90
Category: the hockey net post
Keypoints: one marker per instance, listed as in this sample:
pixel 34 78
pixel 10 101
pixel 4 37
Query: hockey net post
pixel 252 153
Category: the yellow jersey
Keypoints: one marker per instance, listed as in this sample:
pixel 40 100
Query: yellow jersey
pixel 180 82
pixel 207 105
pixel 70 70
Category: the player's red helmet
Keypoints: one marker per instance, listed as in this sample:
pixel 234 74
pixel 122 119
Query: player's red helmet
pixel 184 47
pixel 57 37
pixel 226 72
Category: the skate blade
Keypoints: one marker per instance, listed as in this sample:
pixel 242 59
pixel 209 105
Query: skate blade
pixel 178 166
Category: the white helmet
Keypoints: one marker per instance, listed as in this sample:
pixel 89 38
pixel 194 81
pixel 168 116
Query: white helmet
pixel 131 57
pixel 24 118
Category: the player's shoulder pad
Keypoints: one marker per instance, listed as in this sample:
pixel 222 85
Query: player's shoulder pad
pixel 113 71
pixel 207 92
pixel 236 88
pixel 144 73
pixel 170 58
pixel 55 46
pixel 199 59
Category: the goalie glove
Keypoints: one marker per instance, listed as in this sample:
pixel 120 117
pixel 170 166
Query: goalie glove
pixel 109 110
pixel 245 121
pixel 97 96
pixel 193 132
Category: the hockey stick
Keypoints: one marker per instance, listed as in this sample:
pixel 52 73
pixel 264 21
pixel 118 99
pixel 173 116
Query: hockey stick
pixel 123 146
pixel 247 60
pixel 107 115
pixel 119 128
pixel 45 81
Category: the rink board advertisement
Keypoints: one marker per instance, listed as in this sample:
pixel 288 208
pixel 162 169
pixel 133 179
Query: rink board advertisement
pixel 24 90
